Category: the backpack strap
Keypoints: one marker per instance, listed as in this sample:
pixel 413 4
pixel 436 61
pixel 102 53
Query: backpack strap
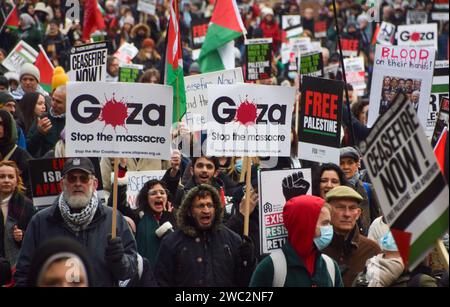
pixel 330 268
pixel 279 268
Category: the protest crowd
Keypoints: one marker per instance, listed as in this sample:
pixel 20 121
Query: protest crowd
pixel 342 203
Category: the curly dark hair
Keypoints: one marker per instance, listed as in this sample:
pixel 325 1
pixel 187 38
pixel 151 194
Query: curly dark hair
pixel 327 167
pixel 142 198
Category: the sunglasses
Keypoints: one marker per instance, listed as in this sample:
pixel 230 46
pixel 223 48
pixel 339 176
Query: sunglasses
pixel 83 178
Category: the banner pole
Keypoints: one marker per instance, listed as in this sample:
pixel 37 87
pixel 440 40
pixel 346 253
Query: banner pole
pixel 247 196
pixel 341 60
pixel 114 213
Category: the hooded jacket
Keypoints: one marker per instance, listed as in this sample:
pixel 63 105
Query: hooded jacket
pixel 190 257
pixel 305 266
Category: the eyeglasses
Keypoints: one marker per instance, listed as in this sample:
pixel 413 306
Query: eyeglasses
pixel 83 178
pixel 156 192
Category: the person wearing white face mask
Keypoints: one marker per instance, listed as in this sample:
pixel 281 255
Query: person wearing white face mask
pixel 300 262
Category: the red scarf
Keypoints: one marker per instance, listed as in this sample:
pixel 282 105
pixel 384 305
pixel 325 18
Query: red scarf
pixel 300 215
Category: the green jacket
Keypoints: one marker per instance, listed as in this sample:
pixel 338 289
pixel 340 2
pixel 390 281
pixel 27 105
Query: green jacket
pixel 297 275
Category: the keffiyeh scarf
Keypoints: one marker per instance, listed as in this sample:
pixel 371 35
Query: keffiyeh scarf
pixel 78 221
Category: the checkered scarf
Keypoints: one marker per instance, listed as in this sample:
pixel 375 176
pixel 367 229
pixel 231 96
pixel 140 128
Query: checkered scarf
pixel 78 221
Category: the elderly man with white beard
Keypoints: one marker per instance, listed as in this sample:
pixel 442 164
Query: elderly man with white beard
pixel 76 213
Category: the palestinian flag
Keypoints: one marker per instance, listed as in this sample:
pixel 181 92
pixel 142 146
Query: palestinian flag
pixel 218 48
pixel 93 19
pixel 46 68
pixel 12 20
pixel 174 64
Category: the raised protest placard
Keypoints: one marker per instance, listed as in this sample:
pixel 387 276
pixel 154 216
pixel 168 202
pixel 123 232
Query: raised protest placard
pixel 273 234
pixel 130 72
pixel 291 21
pixel 147 6
pixel 199 27
pixel 441 121
pixel 386 32
pixel 45 177
pixel 312 64
pixel 349 47
pixel 22 53
pixel 249 120
pixel 88 62
pixel 258 58
pixel 197 94
pixel 401 69
pixel 320 119
pixel 126 53
pixel 320 29
pixel 136 181
pixel 424 35
pixel 118 120
pixel 355 73
pixel 411 190
pixel 416 17
pixel 439 89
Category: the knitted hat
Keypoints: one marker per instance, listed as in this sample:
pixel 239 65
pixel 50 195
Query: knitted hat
pixel 30 69
pixel 148 42
pixel 59 77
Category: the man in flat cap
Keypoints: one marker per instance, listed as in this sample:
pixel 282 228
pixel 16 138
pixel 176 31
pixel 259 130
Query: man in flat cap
pixel 350 162
pixel 77 213
pixel 348 248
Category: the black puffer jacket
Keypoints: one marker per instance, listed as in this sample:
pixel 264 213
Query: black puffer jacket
pixel 189 257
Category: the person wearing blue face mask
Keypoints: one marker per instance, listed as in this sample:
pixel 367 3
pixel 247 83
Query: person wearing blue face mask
pixel 300 262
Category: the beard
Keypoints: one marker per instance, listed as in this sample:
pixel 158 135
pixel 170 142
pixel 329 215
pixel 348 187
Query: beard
pixel 78 201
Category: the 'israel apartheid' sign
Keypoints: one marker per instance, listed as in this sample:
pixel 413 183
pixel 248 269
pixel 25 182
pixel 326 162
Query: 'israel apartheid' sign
pixel 45 177
pixel 407 179
pixel 320 120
